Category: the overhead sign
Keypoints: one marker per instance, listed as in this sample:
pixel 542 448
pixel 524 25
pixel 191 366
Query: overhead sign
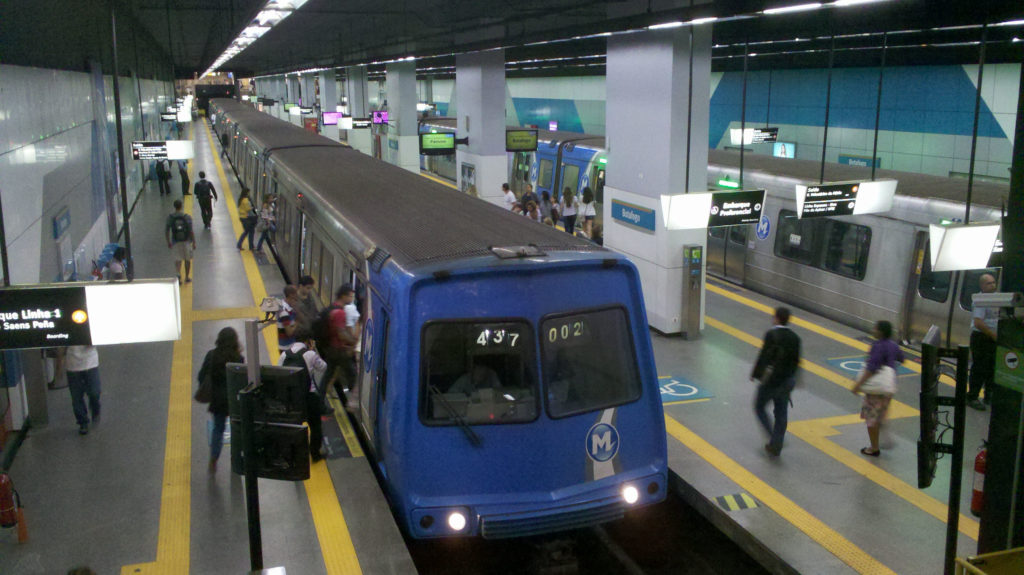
pixel 633 215
pixel 753 136
pixel 149 150
pixel 735 208
pixel 93 313
pixel 844 198
pixel 437 144
pixel 168 117
pixel 520 140
pixel 361 123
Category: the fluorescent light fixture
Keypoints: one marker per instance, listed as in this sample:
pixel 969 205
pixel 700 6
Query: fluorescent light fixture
pixel 794 8
pixel 1011 23
pixel 729 184
pixel 665 25
pixel 962 246
pixel 845 3
pixel 273 12
pixel 699 21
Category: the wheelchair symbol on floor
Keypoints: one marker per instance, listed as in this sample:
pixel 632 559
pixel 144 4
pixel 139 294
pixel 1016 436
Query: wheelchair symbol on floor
pixel 674 389
pixel 854 365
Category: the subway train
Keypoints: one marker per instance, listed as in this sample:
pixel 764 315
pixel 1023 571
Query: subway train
pixel 493 403
pixel 855 269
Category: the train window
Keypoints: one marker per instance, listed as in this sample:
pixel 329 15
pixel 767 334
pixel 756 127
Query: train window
pixel 327 276
pixel 933 285
pixel 717 233
pixel 738 235
pixel 478 373
pixel 570 177
pixel 972 285
pixel 544 175
pixel 797 239
pixel 846 248
pixel 584 372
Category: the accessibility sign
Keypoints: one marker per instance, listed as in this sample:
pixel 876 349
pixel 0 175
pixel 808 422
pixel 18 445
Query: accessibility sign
pixel 678 389
pixel 851 366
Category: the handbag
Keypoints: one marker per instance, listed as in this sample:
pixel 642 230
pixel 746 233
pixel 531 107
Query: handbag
pixel 204 394
pixel 882 382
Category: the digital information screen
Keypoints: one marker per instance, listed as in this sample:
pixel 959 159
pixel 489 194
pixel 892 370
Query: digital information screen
pixel 765 135
pixel 521 140
pixel 380 116
pixel 736 208
pixel 433 144
pixel 149 150
pixel 837 199
pixel 89 313
pixel 167 117
pixel 360 123
pixel 331 118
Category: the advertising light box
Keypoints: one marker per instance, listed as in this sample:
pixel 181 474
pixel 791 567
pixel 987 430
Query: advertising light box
pixel 379 117
pixel 331 118
pixel 521 140
pixel 434 144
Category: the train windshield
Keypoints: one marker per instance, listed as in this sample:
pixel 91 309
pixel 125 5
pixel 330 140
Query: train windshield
pixel 588 361
pixel 479 372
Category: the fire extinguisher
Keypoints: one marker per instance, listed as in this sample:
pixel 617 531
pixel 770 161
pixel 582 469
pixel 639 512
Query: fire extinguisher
pixel 10 508
pixel 978 491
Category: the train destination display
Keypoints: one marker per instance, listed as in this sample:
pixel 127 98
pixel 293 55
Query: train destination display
pixel 435 144
pixel 735 208
pixel 521 140
pixel 844 198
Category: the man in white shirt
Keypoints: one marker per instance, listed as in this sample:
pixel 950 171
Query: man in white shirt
pixel 83 370
pixel 984 323
pixel 510 198
pixel 316 367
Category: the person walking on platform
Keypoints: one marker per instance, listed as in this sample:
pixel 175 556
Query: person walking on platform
pixel 984 323
pixel 183 172
pixel 588 211
pixel 775 370
pixel 287 318
pixel 163 176
pixel 247 216
pixel 205 192
pixel 226 350
pixel 302 352
pixel 266 225
pixel 180 239
pixel 82 363
pixel 570 207
pixel 527 197
pixel 336 341
pixel 307 302
pixel 508 197
pixel 225 141
pixel 878 382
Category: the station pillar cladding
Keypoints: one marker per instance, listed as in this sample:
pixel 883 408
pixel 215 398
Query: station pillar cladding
pixel 357 92
pixel 307 82
pixel 1002 518
pixel 329 99
pixel 293 98
pixel 403 139
pixel 658 92
pixel 482 166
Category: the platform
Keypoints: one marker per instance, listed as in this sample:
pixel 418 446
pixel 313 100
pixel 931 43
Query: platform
pixel 135 494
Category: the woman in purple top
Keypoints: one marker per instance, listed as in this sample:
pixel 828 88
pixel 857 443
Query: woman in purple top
pixel 879 382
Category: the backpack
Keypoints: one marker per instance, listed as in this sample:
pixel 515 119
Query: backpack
pixel 322 326
pixel 295 359
pixel 179 228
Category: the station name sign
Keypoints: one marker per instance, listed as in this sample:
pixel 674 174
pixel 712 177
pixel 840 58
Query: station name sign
pixel 844 198
pixel 735 208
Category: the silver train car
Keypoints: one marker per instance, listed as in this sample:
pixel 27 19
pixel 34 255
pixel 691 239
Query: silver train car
pixel 855 269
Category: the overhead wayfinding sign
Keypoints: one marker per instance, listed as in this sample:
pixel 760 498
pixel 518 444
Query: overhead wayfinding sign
pixel 753 136
pixel 844 198
pixel 735 208
pixel 169 150
pixel 93 313
pixel 168 117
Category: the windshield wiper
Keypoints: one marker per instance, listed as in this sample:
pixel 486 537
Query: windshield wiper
pixel 454 415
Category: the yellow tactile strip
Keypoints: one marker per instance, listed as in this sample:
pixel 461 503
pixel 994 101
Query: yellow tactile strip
pixel 818 531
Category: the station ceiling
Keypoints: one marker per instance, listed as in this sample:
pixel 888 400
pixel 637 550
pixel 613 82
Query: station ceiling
pixel 544 36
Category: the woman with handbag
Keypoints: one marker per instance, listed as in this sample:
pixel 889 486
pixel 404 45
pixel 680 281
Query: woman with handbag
pixel 878 382
pixel 247 216
pixel 213 386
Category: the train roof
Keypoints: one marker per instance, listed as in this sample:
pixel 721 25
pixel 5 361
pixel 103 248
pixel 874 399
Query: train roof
pixel 415 220
pixel 910 184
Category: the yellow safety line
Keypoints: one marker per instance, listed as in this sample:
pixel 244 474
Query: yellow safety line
pixel 438 180
pixel 811 326
pixel 346 430
pixel 816 433
pixel 817 530
pixel 688 401
pixel 336 546
pixel 174 532
pixel 223 313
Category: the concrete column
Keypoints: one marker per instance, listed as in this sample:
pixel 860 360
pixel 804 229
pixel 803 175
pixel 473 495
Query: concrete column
pixel 482 166
pixel 328 100
pixel 653 122
pixel 358 107
pixel 308 86
pixel 402 148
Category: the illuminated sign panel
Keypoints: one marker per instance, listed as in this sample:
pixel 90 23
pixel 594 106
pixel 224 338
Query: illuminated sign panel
pixel 845 198
pixel 753 136
pixel 432 144
pixel 44 317
pixel 521 140
pixel 360 123
pixel 149 150
pixel 962 246
pixel 735 208
pixel 380 116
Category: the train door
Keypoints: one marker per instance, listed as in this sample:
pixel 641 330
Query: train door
pixel 373 376
pixel 570 178
pixel 716 251
pixel 545 173
pixel 727 252
pixel 326 279
pixel 520 172
pixel 597 183
pixel 303 263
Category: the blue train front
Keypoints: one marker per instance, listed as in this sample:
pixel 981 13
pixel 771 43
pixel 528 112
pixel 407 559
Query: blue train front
pixel 525 400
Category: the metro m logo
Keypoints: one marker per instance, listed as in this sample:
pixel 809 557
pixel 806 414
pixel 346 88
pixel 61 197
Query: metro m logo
pixel 602 442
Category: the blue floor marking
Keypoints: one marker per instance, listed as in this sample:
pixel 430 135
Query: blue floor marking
pixel 850 366
pixel 677 389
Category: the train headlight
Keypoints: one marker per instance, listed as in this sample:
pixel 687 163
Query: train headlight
pixel 457 521
pixel 630 494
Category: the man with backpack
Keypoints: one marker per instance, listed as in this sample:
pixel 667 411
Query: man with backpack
pixel 336 341
pixel 302 355
pixel 204 191
pixel 180 239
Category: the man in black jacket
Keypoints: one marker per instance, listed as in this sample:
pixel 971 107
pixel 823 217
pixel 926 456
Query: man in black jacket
pixel 776 371
pixel 205 192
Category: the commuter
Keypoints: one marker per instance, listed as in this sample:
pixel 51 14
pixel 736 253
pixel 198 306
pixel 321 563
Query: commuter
pixel 570 206
pixel 163 176
pixel 775 371
pixel 337 343
pixel 352 316
pixel 533 212
pixel 204 193
pixel 287 318
pixel 82 363
pixel 547 207
pixel 307 302
pixel 180 239
pixel 528 196
pixel 225 141
pixel 588 211
pixel 226 350
pixel 183 172
pixel 878 382
pixel 316 368
pixel 509 197
pixel 115 269
pixel 549 222
pixel 267 223
pixel 984 323
pixel 247 216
